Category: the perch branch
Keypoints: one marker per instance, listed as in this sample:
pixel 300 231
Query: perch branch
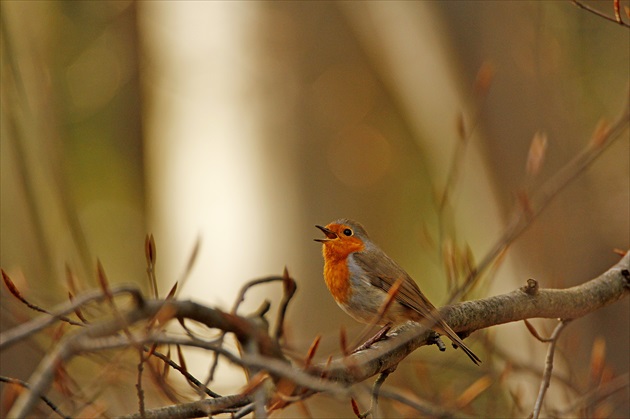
pixel 526 302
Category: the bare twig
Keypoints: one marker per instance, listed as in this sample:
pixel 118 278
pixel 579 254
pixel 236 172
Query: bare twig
pixel 598 394
pixel 17 294
pixel 207 407
pixel 289 287
pixel 616 19
pixel 139 388
pixel 245 410
pixel 544 385
pixel 425 408
pixel 481 86
pixel 239 299
pixel 540 199
pixel 45 399
pixel 376 388
pixel 334 377
pixel 190 263
pixel 529 368
pixel 24 330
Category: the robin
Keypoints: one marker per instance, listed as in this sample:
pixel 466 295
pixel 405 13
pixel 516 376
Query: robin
pixel 359 276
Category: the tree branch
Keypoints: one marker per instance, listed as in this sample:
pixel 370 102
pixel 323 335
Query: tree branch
pixel 469 316
pixel 526 302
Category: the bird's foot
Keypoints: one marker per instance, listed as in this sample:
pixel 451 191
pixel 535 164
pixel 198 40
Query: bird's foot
pixel 380 335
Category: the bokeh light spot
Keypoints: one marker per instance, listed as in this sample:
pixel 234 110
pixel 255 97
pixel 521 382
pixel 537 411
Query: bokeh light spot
pixel 359 156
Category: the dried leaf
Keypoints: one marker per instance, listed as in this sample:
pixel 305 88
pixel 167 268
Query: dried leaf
pixel 355 408
pixel 166 313
pixel 16 293
pixel 607 375
pixel 600 134
pixel 450 265
pixel 58 333
pixel 525 202
pixel 150 250
pixel 9 395
pixel 603 410
pixel 312 350
pixel 324 374
pixel 617 9
pixel 289 285
pixel 173 290
pixel 484 79
pixel 536 155
pixel 77 310
pixel 62 380
pixel 469 262
pixel 284 390
pixel 473 391
pixel 343 341
pixel 154 347
pixel 11 286
pixel 103 282
pixel 70 280
pixel 254 382
pixel 505 374
pixel 598 359
pixel 531 329
pixel 534 332
pixel 391 296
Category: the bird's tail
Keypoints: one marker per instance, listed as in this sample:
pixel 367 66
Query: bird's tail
pixel 446 329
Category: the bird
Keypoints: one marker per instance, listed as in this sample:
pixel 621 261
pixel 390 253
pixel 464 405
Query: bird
pixel 359 275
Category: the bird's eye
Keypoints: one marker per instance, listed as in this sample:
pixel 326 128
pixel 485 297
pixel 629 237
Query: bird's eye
pixel 347 232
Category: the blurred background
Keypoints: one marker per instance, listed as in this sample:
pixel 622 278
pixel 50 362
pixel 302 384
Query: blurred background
pixel 239 126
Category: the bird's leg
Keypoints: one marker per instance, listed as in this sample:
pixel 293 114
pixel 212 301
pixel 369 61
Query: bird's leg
pixel 380 335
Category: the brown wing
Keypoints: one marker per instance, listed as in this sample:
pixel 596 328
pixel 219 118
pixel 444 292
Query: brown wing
pixel 386 272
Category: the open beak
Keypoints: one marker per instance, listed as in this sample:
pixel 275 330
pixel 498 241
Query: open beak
pixel 330 235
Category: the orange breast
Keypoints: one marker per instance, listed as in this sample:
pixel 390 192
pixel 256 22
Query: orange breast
pixel 337 279
pixel 336 271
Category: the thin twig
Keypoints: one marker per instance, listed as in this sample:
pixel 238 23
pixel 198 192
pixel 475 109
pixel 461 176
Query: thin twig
pixel 139 388
pixel 534 332
pixel 598 394
pixel 206 407
pixel 600 14
pixel 24 330
pixel 244 411
pixel 522 218
pixel 18 295
pixel 544 385
pixel 239 299
pixel 45 399
pixel 376 388
pixel 425 408
pixel 289 287
pixel 334 377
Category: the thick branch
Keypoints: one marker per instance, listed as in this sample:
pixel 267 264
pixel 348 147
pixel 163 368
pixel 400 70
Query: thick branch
pixel 525 303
